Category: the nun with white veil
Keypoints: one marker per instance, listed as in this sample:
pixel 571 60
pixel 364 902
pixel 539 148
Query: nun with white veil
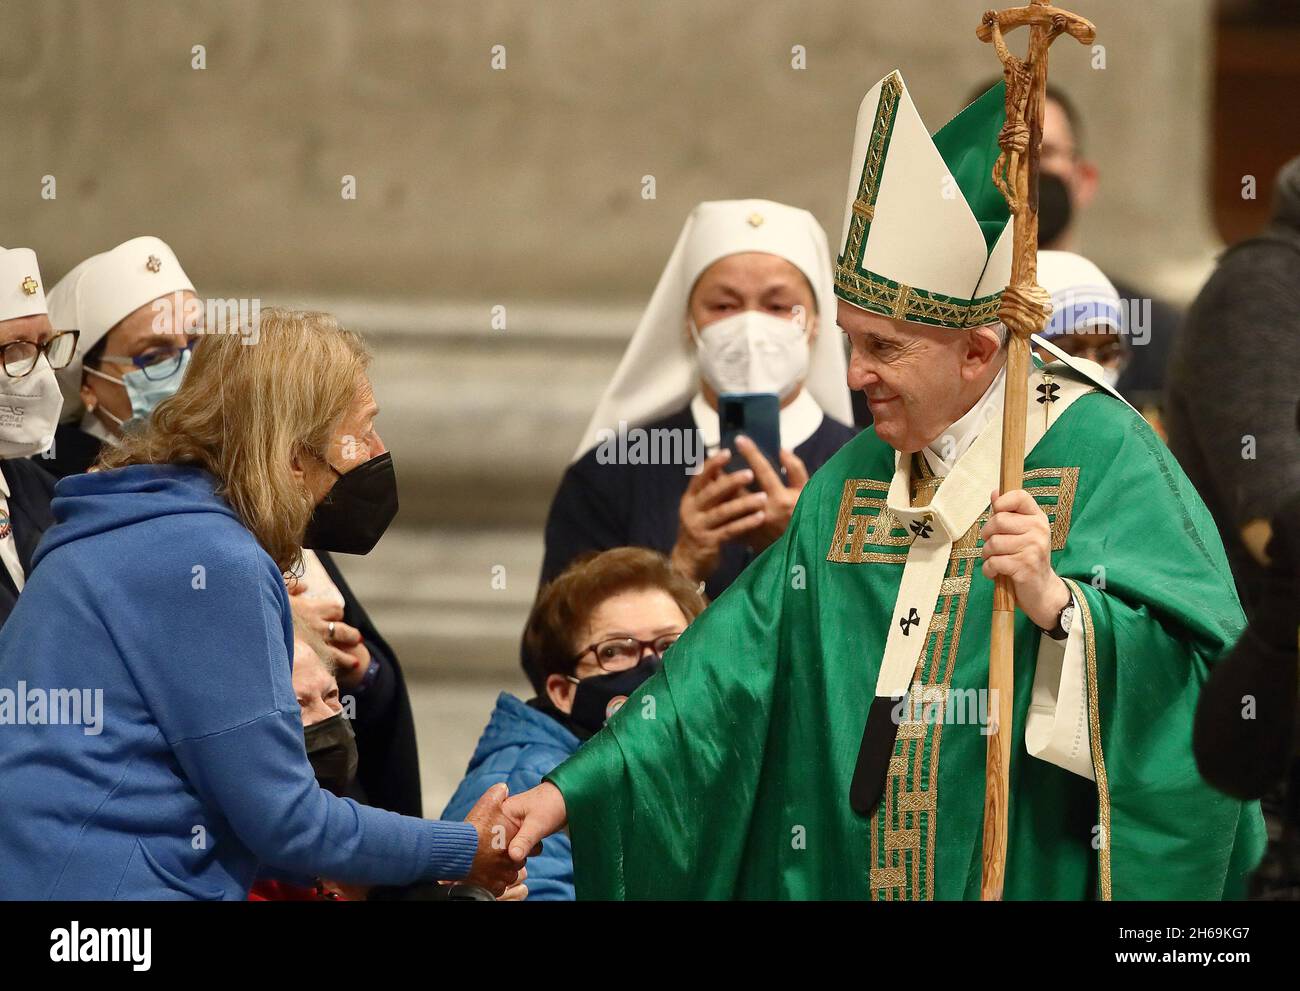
pixel 745 304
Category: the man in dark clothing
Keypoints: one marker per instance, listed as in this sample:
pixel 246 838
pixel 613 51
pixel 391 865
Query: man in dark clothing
pixel 1234 387
pixel 1068 183
pixel 1246 718
pixel 1245 738
pixel 1152 323
pixel 28 494
pixel 29 410
pixel 1231 412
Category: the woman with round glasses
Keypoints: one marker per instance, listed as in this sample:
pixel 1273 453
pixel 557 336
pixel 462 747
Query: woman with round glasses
pixel 138 318
pixel 597 632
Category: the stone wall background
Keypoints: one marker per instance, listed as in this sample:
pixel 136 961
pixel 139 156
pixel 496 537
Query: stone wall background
pixel 526 182
pixel 522 188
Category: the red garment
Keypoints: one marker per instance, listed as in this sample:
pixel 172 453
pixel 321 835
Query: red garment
pixel 283 891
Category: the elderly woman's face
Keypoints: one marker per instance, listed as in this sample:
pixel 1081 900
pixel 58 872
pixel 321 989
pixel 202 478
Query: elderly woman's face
pixel 752 280
pixel 315 687
pixel 644 614
pixel 917 379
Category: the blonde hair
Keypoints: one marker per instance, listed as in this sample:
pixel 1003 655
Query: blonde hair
pixel 245 411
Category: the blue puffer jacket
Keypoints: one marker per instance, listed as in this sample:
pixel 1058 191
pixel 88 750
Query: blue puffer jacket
pixel 520 746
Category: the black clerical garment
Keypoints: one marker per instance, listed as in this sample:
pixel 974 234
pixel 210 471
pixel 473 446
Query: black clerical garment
pixel 388 767
pixel 30 491
pixel 74 451
pixel 599 506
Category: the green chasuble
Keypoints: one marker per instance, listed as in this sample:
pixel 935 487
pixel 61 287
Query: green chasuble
pixel 727 774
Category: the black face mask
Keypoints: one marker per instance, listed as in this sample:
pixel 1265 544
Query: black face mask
pixel 1055 208
pixel 332 750
pixel 355 513
pixel 599 697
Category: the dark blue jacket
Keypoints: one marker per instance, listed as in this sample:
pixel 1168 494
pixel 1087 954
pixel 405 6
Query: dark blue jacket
pixel 149 592
pixel 30 491
pixel 519 746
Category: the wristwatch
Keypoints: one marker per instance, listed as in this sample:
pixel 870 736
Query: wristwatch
pixel 1061 631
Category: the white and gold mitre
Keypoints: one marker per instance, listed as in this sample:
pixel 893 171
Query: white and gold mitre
pixel 927 235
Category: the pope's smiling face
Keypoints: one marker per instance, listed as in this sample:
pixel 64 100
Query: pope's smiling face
pixel 917 379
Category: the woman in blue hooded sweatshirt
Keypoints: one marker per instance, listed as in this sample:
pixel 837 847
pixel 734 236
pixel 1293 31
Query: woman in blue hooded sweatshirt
pixel 594 635
pixel 151 744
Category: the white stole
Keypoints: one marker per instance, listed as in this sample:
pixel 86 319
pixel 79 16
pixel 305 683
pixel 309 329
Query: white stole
pixel 961 498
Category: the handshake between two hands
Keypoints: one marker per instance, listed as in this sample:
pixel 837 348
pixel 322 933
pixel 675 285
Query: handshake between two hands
pixel 510 830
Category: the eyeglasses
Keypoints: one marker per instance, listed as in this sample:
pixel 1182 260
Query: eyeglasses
pixel 157 363
pixel 19 357
pixel 622 653
pixel 1103 353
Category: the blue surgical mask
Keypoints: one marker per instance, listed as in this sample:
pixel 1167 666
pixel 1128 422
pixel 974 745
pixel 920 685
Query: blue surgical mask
pixel 145 393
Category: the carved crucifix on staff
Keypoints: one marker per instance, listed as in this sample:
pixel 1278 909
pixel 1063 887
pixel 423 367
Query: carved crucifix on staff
pixel 1024 311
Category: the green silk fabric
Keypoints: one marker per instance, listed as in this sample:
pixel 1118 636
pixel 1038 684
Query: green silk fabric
pixel 969 146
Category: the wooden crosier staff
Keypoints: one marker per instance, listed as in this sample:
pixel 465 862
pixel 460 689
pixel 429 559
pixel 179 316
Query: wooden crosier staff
pixel 1024 311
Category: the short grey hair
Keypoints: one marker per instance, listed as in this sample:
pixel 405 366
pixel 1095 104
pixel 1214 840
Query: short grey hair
pixel 999 328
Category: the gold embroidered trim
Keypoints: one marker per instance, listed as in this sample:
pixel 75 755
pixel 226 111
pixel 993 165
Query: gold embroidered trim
pixel 953 586
pixel 873 164
pixel 921 801
pixel 856 531
pixel 869 291
pixel 903 839
pixel 904 829
pixel 901 303
pixel 887 877
pixel 905 825
pixel 1094 741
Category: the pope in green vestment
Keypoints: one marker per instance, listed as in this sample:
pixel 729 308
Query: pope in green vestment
pixel 727 775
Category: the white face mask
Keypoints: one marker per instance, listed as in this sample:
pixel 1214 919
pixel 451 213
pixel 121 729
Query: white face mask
pixel 752 352
pixel 29 411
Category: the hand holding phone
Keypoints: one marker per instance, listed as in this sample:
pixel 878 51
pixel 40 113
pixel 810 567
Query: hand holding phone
pixel 715 509
pixel 782 494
